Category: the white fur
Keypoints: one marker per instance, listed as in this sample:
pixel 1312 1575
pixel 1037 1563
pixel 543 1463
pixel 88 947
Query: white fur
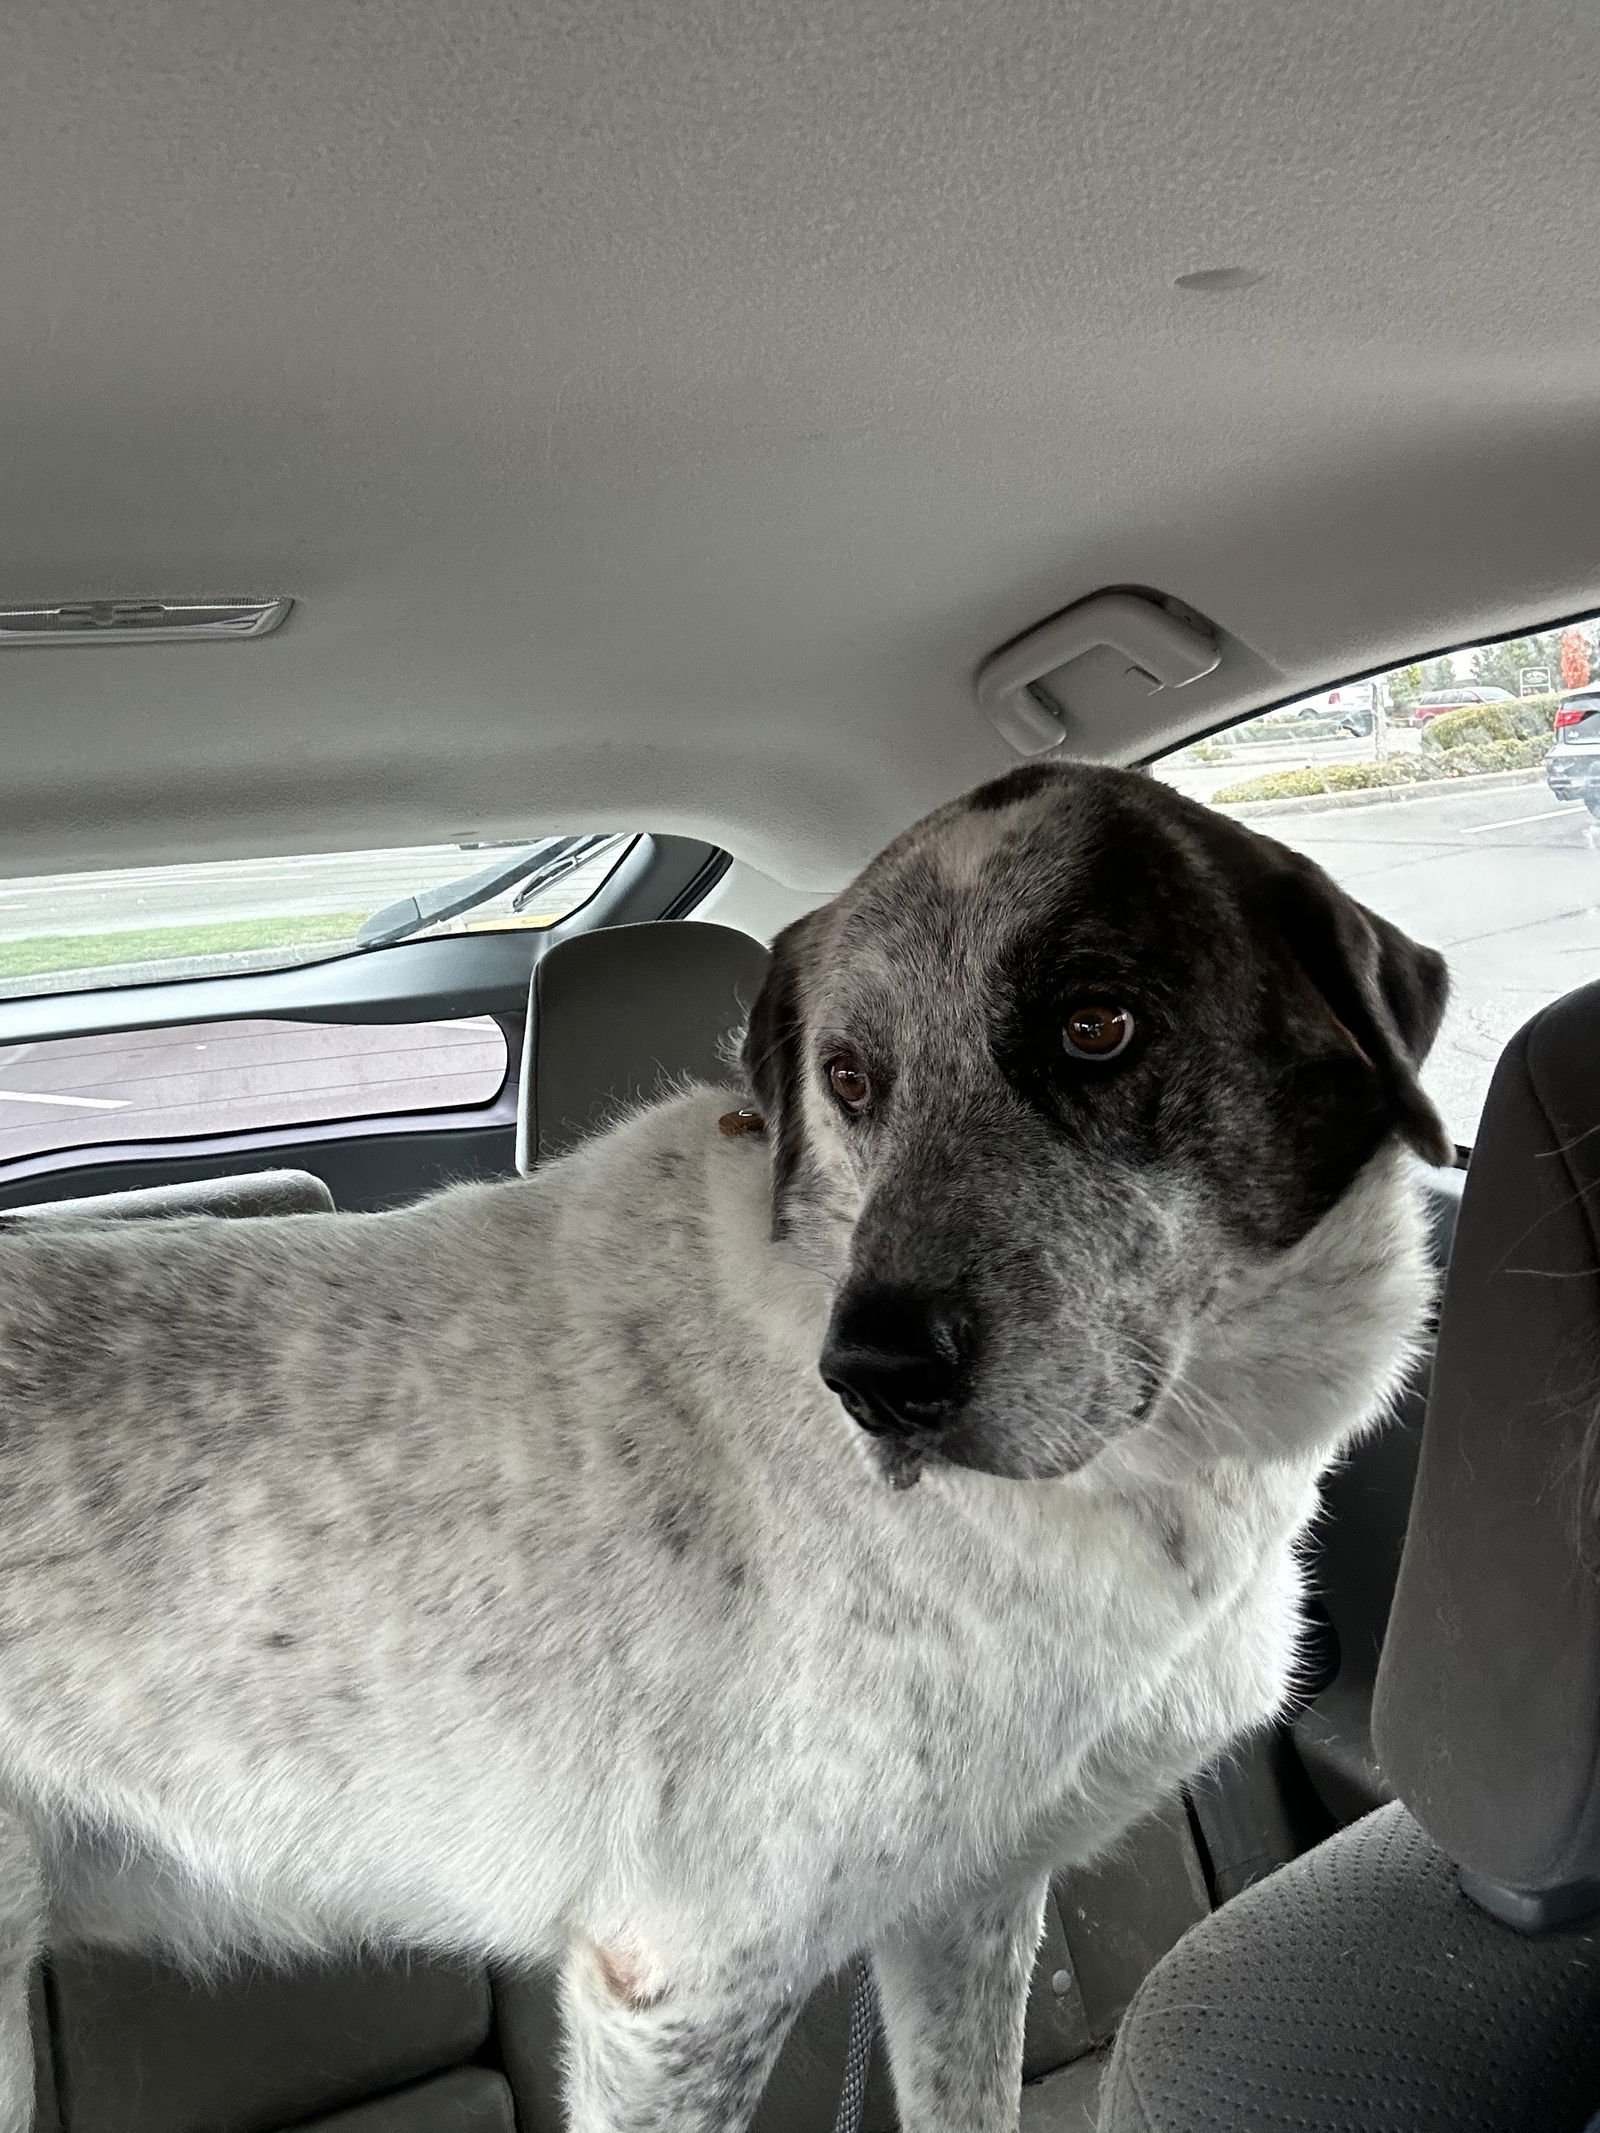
pixel 521 1721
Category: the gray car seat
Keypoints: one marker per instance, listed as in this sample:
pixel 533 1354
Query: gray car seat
pixel 1437 1964
pixel 623 1015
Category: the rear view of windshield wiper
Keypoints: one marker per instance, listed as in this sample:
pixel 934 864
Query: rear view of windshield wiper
pixel 534 865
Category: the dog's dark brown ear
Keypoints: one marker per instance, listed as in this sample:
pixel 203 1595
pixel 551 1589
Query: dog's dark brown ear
pixel 774 1062
pixel 1385 990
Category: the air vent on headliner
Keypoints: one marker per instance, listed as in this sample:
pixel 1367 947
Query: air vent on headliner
pixel 140 621
pixel 1162 650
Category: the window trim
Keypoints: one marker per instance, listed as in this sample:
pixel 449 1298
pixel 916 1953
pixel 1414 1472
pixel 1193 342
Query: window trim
pixel 456 975
pixel 460 975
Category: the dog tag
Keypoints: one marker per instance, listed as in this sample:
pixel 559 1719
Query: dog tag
pixel 737 1123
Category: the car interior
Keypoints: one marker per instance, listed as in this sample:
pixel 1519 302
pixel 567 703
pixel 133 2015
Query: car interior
pixel 507 506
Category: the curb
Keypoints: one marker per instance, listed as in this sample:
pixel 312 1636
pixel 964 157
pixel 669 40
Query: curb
pixel 1379 795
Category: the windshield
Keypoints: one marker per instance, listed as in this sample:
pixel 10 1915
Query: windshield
pixel 148 925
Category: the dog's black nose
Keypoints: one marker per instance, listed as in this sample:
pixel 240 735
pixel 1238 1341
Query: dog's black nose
pixel 897 1358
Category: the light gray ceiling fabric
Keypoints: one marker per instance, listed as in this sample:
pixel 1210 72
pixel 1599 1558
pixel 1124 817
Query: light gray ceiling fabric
pixel 659 410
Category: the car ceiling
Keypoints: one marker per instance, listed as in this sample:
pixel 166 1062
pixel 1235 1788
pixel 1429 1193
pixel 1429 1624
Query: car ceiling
pixel 657 412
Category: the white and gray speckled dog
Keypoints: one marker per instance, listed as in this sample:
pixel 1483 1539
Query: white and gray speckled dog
pixel 504 1575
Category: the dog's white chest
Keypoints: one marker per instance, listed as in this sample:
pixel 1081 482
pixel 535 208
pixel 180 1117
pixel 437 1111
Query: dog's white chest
pixel 974 1673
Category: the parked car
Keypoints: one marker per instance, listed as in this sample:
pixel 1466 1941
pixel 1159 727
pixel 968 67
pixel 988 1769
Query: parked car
pixel 1572 768
pixel 1351 700
pixel 1577 706
pixel 1434 703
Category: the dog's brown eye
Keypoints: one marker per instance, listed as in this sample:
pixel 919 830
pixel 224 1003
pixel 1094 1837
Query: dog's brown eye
pixel 849 1083
pixel 1096 1030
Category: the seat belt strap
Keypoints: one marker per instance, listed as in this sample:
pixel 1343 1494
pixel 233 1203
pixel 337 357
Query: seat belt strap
pixel 858 2053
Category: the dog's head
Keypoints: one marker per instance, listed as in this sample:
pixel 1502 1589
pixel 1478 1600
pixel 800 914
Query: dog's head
pixel 1068 1068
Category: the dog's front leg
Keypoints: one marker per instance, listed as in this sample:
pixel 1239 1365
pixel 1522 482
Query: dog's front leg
pixel 650 2052
pixel 953 1993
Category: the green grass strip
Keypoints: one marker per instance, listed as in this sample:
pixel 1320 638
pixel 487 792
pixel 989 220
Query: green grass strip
pixel 163 944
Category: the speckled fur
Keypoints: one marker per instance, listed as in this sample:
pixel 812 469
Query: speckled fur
pixel 497 1576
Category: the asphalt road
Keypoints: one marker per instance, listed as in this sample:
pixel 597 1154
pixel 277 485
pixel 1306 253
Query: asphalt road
pixel 131 897
pixel 1505 882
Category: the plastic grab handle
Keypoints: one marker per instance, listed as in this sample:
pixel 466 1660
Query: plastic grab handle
pixel 1166 651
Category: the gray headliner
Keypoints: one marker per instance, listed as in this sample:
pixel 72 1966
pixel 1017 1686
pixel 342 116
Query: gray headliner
pixel 659 411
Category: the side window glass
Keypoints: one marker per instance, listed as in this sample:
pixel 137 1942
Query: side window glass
pixel 1459 796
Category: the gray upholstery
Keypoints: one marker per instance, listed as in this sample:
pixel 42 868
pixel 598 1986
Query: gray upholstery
pixel 1357 1991
pixel 471 2100
pixel 616 1016
pixel 256 1192
pixel 1487 1715
pixel 140 2049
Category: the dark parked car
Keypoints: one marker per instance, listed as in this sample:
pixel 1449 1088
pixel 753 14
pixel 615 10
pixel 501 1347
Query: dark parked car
pixel 1434 703
pixel 1576 706
pixel 1572 767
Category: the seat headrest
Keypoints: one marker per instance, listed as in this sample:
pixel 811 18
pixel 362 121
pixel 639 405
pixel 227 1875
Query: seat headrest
pixel 1487 1713
pixel 617 1016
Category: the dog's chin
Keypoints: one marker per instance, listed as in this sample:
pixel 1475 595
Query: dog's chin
pixel 897 1464
pixel 1008 1454
pixel 1003 1451
pixel 900 1464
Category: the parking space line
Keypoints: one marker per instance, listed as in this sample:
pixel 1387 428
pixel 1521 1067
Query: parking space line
pixel 1471 829
pixel 77 1103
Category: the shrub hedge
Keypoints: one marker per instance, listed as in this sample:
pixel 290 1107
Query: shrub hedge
pixel 1468 759
pixel 1532 717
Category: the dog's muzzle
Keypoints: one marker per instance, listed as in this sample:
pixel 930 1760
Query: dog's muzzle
pixel 899 1361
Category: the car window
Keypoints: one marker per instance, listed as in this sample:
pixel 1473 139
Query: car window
pixel 1472 829
pixel 146 925
pixel 237 1077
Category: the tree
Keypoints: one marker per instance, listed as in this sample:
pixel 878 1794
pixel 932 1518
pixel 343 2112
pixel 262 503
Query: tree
pixel 1574 657
pixel 1405 684
pixel 1438 673
pixel 1499 666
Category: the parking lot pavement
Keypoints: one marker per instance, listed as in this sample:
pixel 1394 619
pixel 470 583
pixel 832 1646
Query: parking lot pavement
pixel 256 888
pixel 234 889
pixel 1506 883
